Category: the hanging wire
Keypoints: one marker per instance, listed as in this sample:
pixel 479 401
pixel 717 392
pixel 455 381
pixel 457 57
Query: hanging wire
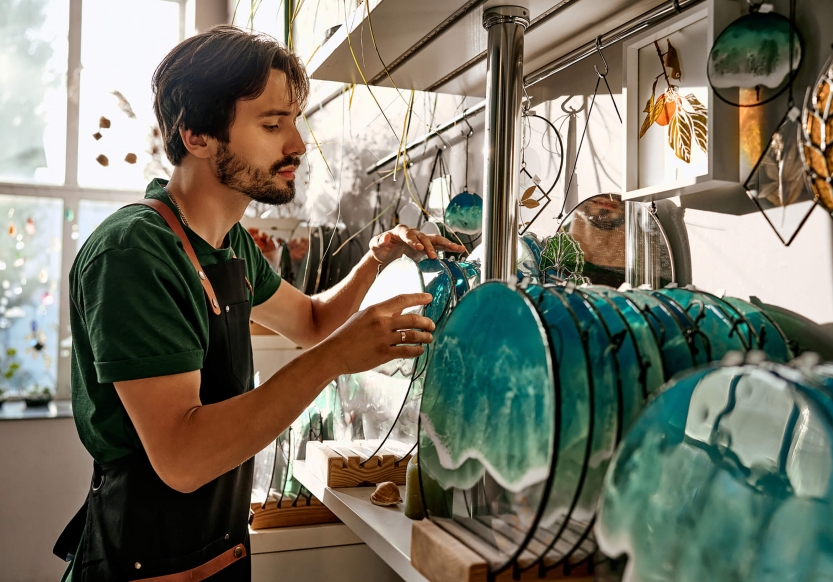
pixel 601 76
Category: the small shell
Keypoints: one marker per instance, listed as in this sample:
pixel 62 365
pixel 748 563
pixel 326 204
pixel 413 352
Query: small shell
pixel 386 493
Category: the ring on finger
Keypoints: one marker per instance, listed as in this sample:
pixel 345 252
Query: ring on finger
pixel 403 336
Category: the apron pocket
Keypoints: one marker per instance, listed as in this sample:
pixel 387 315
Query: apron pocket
pixel 240 343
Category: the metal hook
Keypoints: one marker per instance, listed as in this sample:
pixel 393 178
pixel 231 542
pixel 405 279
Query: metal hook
pixel 601 54
pixel 471 129
pixel 528 103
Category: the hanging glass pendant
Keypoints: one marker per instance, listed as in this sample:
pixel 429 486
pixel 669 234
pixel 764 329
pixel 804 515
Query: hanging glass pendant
pixel 753 52
pixel 777 185
pixel 817 136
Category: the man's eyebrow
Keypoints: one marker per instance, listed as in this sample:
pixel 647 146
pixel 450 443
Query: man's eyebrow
pixel 275 113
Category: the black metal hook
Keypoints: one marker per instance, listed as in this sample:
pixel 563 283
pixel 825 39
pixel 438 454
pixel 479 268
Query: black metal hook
pixel 604 60
pixel 471 129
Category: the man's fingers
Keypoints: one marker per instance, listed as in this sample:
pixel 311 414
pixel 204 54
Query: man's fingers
pixel 410 237
pixel 425 240
pixel 410 336
pixel 440 241
pixel 400 302
pixel 402 352
pixel 412 321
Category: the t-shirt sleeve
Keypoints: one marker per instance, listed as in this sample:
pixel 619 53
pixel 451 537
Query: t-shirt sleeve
pixel 266 281
pixel 141 319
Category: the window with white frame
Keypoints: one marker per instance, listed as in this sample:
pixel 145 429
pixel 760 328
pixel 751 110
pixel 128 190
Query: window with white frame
pixel 78 142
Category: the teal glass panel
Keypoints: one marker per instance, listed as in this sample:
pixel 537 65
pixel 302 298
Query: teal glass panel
pixel 770 337
pixel 726 476
pixel 648 350
pixel 704 326
pixel 438 282
pixel 459 279
pixel 724 333
pixel 557 534
pixel 529 258
pixel 487 432
pixel 606 378
pixel 669 332
pixel 472 271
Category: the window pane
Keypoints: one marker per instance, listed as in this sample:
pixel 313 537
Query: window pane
pixel 33 96
pixel 116 85
pixel 91 213
pixel 263 16
pixel 30 270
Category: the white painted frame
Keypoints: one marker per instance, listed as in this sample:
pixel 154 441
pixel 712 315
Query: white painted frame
pixel 723 151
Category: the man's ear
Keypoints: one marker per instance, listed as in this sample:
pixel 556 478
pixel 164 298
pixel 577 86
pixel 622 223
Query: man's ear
pixel 197 145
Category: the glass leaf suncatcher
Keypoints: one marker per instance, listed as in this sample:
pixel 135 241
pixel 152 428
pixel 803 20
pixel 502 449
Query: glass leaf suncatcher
pixel 684 115
pixel 777 185
pixel 817 136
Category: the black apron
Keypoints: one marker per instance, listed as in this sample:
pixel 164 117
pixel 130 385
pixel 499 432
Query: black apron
pixel 135 526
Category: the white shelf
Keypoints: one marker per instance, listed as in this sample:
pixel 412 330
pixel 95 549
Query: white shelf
pixel 399 25
pixel 302 537
pixel 385 530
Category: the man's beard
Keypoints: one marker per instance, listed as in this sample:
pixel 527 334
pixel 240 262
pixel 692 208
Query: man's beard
pixel 256 183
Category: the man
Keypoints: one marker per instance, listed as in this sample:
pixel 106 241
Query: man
pixel 161 298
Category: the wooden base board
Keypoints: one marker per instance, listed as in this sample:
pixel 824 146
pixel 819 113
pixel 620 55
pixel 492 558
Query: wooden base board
pixel 338 464
pixel 301 513
pixel 441 557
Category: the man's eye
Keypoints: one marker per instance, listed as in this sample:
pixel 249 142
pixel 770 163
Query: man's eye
pixel 271 127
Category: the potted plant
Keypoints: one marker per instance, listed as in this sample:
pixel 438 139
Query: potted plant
pixel 37 396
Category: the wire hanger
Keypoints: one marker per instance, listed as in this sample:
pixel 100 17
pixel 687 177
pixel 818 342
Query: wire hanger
pixel 601 77
pixel 467 136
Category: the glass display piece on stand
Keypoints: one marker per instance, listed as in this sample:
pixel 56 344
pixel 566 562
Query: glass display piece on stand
pixel 776 184
pixel 753 52
pixel 725 476
pixel 817 136
pixel 487 433
pixel 563 258
pixel 669 332
pixel 770 339
pixel 460 281
pixel 648 256
pixel 598 226
pixel 712 321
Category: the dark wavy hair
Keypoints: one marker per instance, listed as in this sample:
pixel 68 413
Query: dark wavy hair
pixel 198 84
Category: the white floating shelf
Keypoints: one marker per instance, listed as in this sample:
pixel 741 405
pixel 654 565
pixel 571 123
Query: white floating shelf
pixel 399 26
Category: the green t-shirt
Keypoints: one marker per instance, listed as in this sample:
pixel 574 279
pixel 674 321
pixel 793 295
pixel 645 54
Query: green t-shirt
pixel 138 310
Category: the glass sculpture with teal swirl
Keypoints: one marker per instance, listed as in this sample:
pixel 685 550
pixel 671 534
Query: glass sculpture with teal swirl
pixel 557 534
pixel 770 337
pixel 669 332
pixel 488 423
pixel 726 476
pixel 472 271
pixel 464 213
pixel 711 318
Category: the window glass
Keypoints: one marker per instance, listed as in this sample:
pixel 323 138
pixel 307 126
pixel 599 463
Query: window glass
pixel 261 15
pixel 117 147
pixel 30 271
pixel 33 96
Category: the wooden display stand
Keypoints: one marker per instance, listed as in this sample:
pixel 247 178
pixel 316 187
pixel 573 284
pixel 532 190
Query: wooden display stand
pixel 301 513
pixel 441 557
pixel 337 465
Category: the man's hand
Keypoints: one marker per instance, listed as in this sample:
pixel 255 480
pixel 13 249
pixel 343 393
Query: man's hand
pixel 375 336
pixel 403 240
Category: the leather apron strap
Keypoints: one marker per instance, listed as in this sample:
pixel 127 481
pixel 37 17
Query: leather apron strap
pixel 169 217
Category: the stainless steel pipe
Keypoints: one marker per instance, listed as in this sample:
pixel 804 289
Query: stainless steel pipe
pixel 502 146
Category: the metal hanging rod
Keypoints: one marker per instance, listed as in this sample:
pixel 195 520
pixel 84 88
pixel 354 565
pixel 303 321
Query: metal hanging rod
pixel 635 26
